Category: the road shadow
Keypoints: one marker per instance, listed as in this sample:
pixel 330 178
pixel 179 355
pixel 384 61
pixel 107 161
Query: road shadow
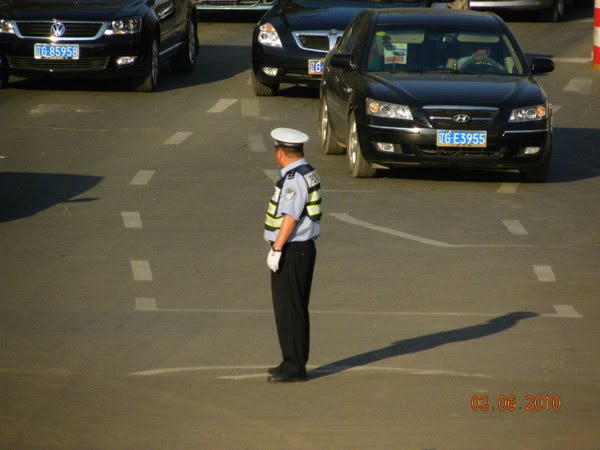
pixel 423 343
pixel 25 194
pixel 584 10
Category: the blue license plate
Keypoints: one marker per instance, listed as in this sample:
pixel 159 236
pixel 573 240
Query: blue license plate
pixel 56 51
pixel 450 138
pixel 316 66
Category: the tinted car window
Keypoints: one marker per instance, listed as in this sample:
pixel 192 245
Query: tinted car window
pixel 423 50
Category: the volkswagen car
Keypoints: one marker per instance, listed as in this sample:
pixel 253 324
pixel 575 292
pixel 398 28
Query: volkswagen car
pixel 437 88
pixel 290 42
pixel 97 38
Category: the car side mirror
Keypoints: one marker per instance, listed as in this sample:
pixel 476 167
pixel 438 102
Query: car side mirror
pixel 541 65
pixel 342 61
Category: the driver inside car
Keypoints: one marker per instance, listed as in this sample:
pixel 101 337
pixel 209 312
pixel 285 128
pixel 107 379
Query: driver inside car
pixel 480 56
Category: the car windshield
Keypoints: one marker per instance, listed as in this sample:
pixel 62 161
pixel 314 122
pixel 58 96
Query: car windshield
pixel 404 49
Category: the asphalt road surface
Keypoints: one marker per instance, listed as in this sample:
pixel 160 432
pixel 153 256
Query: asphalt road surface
pixel 450 309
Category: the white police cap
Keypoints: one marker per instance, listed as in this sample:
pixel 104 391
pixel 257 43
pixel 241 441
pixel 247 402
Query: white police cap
pixel 288 137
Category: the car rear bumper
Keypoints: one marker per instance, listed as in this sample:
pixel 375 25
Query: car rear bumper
pixel 417 146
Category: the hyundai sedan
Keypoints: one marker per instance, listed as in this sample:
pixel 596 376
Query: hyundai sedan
pixel 437 88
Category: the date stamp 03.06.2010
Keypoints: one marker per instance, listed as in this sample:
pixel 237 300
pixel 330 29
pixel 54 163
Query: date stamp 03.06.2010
pixel 509 403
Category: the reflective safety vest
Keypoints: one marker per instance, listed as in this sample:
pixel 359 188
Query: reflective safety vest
pixel 312 209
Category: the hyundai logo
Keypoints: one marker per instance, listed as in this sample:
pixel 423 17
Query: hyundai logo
pixel 57 29
pixel 333 32
pixel 461 118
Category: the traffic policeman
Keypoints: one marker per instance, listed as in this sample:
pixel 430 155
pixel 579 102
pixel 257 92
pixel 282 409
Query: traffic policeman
pixel 291 226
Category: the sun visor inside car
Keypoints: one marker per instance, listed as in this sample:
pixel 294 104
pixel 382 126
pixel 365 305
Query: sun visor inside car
pixel 407 37
pixel 475 37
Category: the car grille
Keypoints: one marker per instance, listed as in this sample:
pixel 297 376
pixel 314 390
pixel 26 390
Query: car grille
pixel 492 152
pixel 73 30
pixel 238 3
pixel 57 65
pixel 317 41
pixel 445 117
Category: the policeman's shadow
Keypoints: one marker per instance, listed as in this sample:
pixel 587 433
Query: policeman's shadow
pixel 423 343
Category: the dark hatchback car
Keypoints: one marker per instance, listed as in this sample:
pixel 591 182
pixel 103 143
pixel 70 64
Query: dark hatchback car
pixel 434 88
pixel 290 42
pixel 97 38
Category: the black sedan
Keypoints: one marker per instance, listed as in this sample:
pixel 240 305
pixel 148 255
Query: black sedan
pixel 434 88
pixel 290 42
pixel 97 38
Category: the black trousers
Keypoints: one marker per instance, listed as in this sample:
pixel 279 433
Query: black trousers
pixel 290 288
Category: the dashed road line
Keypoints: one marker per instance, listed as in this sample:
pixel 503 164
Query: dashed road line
pixel 544 274
pixel 250 108
pixel 560 59
pixel 556 108
pixel 515 227
pixel 508 188
pixel 131 219
pixel 222 105
pixel 178 138
pixel 141 270
pixel 272 174
pixel 581 86
pixel 256 143
pixel 142 178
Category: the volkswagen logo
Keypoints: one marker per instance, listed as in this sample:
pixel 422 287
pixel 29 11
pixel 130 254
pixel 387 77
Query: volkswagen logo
pixel 57 29
pixel 461 118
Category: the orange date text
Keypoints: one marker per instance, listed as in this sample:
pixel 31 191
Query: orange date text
pixel 504 403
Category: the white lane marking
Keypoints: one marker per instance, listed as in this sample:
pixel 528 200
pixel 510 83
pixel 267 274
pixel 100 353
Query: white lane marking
pixel 515 227
pixel 508 188
pixel 566 311
pixel 250 108
pixel 256 143
pixel 178 138
pixel 312 368
pixel 579 86
pixel 572 60
pixel 222 105
pixel 351 220
pixel 556 108
pixel 544 273
pixel 145 304
pixel 142 177
pixel 141 270
pixel 149 304
pixel 350 191
pixel 272 174
pixel 131 219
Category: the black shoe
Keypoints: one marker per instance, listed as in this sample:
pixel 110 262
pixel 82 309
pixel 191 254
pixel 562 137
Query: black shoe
pixel 274 370
pixel 283 377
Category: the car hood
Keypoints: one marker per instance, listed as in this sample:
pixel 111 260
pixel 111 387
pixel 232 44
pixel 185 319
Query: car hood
pixel 318 15
pixel 69 10
pixel 453 89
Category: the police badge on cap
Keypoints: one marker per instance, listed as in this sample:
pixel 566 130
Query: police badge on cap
pixel 287 137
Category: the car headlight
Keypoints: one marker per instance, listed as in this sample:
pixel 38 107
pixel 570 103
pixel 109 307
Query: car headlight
pixel 267 35
pixel 6 26
pixel 529 113
pixel 126 26
pixel 391 110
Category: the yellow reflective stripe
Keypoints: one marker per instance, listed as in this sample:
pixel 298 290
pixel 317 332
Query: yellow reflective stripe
pixel 271 209
pixel 314 196
pixel 313 210
pixel 273 222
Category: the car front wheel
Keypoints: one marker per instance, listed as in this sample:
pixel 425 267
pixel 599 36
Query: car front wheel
pixel 3 81
pixel 329 145
pixel 358 165
pixel 264 89
pixel 555 12
pixel 185 59
pixel 149 82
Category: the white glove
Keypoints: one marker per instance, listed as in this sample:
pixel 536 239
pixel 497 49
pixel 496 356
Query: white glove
pixel 273 260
